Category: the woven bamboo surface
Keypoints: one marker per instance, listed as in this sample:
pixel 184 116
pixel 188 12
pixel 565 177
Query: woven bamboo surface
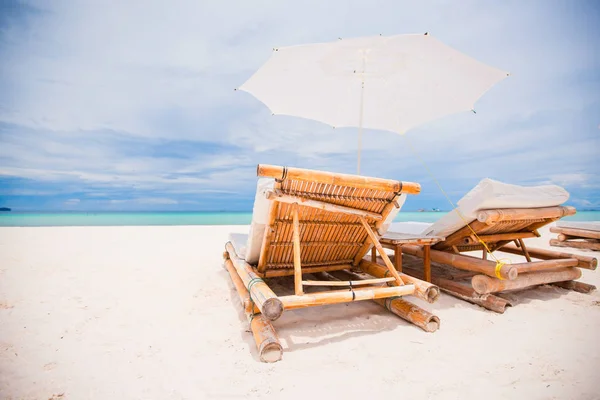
pixel 327 238
pixel 461 236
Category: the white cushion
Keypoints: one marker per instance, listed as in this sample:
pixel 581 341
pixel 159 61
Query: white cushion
pixel 392 215
pixel 490 194
pixel 260 218
pixel 414 228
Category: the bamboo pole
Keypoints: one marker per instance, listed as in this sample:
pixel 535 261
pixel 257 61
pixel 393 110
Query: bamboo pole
pixel 576 245
pixel 423 290
pixel 274 273
pixel 525 252
pixel 382 252
pixel 543 254
pixel 329 178
pixel 348 283
pixel 344 296
pixel 561 237
pixel 518 214
pixel 484 284
pixel 265 337
pixel 427 262
pixel 321 205
pixel 576 286
pixel 402 308
pixel 378 224
pixel 411 313
pixel 397 257
pixel 536 266
pixel 582 233
pixel 498 237
pixel 506 271
pixel 267 302
pixel 467 293
pixel 297 258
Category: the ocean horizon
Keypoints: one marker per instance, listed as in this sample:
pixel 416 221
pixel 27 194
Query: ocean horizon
pixel 173 218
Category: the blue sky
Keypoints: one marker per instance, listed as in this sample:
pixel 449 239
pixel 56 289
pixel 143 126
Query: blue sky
pixel 130 106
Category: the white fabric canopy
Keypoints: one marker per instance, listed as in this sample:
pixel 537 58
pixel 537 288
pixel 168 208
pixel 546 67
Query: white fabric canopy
pixel 387 83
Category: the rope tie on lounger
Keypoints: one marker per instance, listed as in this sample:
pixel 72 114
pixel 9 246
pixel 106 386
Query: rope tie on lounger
pixel 352 290
pixel 388 301
pixel 499 263
pixel 252 282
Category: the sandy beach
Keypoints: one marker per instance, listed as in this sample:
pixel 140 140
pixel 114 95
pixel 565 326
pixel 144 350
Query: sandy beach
pixel 150 313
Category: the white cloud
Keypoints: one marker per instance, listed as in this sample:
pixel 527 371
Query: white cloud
pixel 98 84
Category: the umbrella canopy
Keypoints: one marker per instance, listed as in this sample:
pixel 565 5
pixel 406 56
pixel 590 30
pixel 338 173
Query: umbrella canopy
pixel 389 83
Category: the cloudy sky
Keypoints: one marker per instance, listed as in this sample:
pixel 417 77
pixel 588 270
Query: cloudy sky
pixel 129 105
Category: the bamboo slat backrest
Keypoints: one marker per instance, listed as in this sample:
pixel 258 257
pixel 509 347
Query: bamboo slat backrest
pixel 507 229
pixel 326 237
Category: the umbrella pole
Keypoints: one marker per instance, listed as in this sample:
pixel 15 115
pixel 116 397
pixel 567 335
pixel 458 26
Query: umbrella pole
pixel 360 115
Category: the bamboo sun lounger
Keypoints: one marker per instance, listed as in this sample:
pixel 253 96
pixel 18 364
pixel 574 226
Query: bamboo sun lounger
pixel 579 235
pixel 320 223
pixel 500 214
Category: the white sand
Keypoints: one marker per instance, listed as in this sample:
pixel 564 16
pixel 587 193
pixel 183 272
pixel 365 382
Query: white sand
pixel 149 313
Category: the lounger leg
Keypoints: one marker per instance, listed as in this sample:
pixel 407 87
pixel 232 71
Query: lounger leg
pixel 525 252
pixel 374 255
pixel 427 262
pixel 398 257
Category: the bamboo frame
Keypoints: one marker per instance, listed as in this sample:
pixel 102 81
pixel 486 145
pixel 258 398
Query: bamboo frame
pixel 485 285
pixel 467 293
pixel 265 337
pixel 349 283
pixel 382 253
pixel 506 271
pixel 578 233
pixel 292 302
pixel 297 258
pixel 317 222
pixel 464 291
pixel 543 254
pixel 578 245
pixel 321 205
pixel 264 298
pixel 411 313
pixel 423 290
pixel 362 182
pixel 398 306
pixel 491 217
pixel 497 228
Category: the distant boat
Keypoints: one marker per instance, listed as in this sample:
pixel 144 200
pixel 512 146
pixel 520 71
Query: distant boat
pixel 435 209
pixel 4 209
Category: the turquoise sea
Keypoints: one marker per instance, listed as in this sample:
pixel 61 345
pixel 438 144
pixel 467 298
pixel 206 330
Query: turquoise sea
pixel 186 218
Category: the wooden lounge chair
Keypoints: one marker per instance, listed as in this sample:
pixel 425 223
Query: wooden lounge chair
pixel 315 222
pixel 495 216
pixel 576 234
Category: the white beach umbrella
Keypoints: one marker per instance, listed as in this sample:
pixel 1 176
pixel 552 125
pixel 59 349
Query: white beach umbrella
pixel 388 83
